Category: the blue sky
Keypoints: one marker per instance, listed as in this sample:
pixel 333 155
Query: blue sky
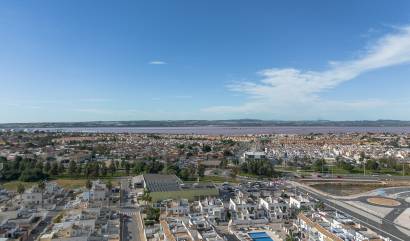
pixel 74 60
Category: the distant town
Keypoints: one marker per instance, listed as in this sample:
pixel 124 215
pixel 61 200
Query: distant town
pixel 128 186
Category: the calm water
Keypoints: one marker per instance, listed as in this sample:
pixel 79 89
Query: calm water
pixel 217 130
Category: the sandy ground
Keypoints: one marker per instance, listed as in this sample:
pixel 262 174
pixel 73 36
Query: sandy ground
pixel 384 201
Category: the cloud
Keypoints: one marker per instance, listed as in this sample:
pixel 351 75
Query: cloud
pixel 281 89
pixel 157 62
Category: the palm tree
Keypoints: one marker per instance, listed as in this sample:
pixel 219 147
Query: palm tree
pixel 290 236
pixel 109 187
pixel 20 189
pixel 42 186
pixel 88 185
pixel 146 197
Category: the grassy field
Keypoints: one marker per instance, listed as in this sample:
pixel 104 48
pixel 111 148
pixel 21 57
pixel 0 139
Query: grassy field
pixel 12 186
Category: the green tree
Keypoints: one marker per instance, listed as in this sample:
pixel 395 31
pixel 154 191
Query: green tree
pixel 3 159
pixel 206 148
pixel 373 165
pixel 153 214
pixel 171 169
pixel 146 196
pixel 54 169
pixel 227 152
pixel 88 184
pixel 127 168
pixel 109 187
pixel 112 168
pixel 290 236
pixel 262 167
pixel 185 174
pixel 201 170
pixel 40 165
pixel 234 172
pixel 47 167
pixel 42 186
pixel 61 168
pixel 79 169
pixel 139 167
pixel 346 166
pixel 87 169
pixel 32 175
pixel 72 167
pixel 153 166
pixel 319 205
pixel 96 169
pixel 320 166
pixel 104 169
pixel 20 190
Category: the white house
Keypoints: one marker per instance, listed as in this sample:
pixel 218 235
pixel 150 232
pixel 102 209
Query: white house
pixel 274 209
pixel 32 196
pixel 299 201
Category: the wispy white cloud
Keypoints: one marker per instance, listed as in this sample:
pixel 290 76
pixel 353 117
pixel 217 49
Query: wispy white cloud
pixel 157 62
pixel 289 89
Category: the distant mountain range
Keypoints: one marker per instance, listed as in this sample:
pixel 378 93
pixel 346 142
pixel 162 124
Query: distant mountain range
pixel 193 123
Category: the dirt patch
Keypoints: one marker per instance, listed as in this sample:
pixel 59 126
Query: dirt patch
pixel 384 201
pixel 345 189
pixel 352 188
pixel 71 183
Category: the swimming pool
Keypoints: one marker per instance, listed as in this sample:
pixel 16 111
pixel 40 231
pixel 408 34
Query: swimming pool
pixel 260 236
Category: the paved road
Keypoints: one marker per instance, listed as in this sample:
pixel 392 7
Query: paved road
pixel 35 233
pixel 131 223
pixel 391 216
pixel 357 176
pixel 130 229
pixel 386 228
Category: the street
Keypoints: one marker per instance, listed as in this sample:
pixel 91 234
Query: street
pixel 386 228
pixel 131 221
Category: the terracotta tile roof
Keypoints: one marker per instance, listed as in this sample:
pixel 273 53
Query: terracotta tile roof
pixel 318 227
